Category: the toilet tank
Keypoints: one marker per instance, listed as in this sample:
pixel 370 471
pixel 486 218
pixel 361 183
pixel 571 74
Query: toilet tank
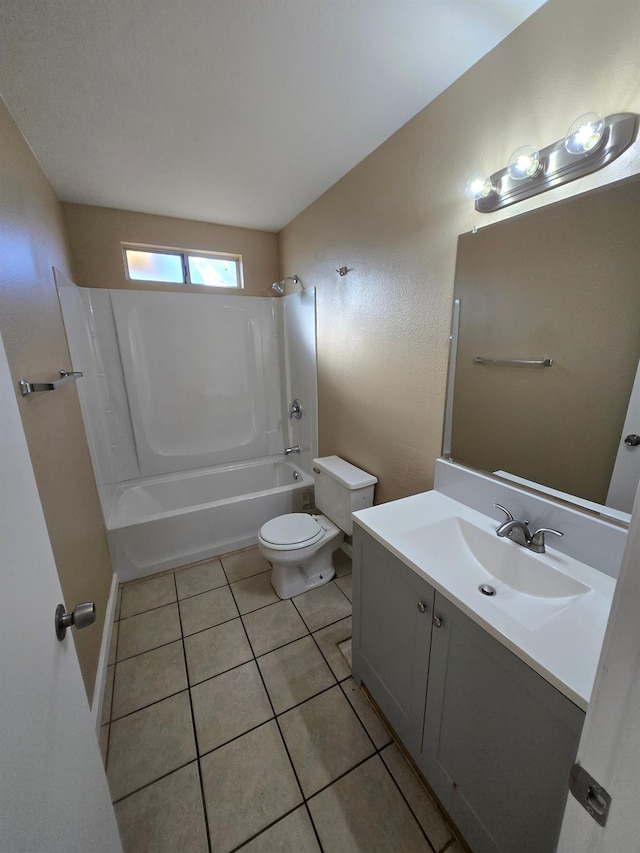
pixel 341 488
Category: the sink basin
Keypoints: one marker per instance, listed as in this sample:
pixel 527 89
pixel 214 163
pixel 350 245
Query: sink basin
pixel 483 557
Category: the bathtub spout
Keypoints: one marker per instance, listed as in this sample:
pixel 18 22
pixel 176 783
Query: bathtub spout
pixel 294 449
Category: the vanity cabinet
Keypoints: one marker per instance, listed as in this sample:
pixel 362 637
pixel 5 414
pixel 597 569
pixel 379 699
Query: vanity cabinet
pixel 494 740
pixel 392 636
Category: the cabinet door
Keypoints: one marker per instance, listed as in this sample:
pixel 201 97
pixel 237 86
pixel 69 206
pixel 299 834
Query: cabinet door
pixel 499 740
pixel 392 611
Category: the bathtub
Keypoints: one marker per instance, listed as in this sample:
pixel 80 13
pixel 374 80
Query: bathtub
pixel 171 520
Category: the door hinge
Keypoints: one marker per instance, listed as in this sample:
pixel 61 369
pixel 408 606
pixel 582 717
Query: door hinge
pixel 589 794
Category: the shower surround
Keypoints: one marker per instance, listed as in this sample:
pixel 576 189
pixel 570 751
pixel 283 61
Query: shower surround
pixel 185 402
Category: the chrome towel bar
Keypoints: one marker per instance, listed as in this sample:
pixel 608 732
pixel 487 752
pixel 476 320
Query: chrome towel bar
pixel 540 362
pixel 65 376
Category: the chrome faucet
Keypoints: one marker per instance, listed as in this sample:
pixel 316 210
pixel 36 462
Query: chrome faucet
pixel 518 532
pixel 294 449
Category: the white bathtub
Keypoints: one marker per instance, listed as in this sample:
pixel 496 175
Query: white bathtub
pixel 172 520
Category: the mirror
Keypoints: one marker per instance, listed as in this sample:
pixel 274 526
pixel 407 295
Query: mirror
pixel 561 283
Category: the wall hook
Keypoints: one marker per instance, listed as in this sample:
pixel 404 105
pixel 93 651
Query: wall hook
pixel 343 270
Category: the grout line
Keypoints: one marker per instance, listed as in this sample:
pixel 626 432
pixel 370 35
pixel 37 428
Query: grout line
pixel 149 704
pixel 151 649
pixel 193 725
pixel 342 690
pixel 202 591
pixel 408 804
pixel 148 610
pixel 264 829
pixel 153 781
pixel 282 739
pixel 335 581
pixel 322 627
pixel 313 825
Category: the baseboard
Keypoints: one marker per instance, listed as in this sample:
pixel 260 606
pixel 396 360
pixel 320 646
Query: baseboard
pixel 103 660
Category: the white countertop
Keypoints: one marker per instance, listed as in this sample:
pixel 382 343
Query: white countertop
pixel 560 639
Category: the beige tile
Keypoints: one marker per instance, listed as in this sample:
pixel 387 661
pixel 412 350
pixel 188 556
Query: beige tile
pixel 328 639
pixel 103 741
pixel 365 811
pixel 147 594
pixel 149 744
pixel 293 834
pixel 243 564
pixel 322 605
pixel 148 631
pixel 116 613
pixel 254 592
pixel 368 717
pixel 424 808
pixel 107 698
pixel 229 705
pixel 147 678
pixel 273 626
pixel 248 784
pixel 342 563
pixel 215 650
pixel 324 738
pixel 113 643
pixel 206 610
pixel 200 578
pixel 165 816
pixel 294 673
pixel 345 585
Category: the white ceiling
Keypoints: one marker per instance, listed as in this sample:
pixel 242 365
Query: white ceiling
pixel 234 111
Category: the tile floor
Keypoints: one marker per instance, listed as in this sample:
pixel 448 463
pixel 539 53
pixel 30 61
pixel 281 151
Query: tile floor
pixel 231 721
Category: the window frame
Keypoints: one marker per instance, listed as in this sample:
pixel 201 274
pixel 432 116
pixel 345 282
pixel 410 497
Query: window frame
pixel 184 255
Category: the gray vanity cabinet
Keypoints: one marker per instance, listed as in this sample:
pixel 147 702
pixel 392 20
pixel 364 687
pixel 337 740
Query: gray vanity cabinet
pixel 391 636
pixel 499 740
pixel 495 740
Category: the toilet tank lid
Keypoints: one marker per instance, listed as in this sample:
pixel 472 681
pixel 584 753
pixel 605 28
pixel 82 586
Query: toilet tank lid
pixel 344 472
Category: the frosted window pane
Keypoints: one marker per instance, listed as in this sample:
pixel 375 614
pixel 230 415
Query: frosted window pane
pixel 154 266
pixel 216 272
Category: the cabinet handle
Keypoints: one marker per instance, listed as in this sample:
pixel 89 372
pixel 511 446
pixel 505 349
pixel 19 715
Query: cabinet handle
pixel 437 622
pixel 422 606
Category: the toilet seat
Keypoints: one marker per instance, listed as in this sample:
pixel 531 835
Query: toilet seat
pixel 292 531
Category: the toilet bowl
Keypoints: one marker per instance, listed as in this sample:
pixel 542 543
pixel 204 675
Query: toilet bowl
pixel 299 546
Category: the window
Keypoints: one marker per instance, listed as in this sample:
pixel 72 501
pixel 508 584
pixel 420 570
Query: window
pixel 174 266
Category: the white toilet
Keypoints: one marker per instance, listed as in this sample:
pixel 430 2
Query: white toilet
pixel 299 546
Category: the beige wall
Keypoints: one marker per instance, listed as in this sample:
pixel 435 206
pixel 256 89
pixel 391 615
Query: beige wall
pixel 32 240
pixel 394 220
pixel 96 235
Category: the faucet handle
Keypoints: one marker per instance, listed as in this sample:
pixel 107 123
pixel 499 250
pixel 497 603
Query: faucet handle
pixel 537 539
pixel 505 511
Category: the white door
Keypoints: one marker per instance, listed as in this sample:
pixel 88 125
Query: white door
pixel 626 471
pixel 53 790
pixel 610 745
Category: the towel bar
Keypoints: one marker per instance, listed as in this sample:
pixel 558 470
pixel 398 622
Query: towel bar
pixel 540 362
pixel 65 376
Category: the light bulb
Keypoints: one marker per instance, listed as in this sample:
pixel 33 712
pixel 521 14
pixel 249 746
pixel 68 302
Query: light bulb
pixel 478 186
pixel 584 134
pixel 524 163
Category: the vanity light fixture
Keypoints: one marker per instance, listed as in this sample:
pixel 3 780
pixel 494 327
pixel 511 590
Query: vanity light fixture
pixel 478 186
pixel 584 134
pixel 590 143
pixel 524 163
